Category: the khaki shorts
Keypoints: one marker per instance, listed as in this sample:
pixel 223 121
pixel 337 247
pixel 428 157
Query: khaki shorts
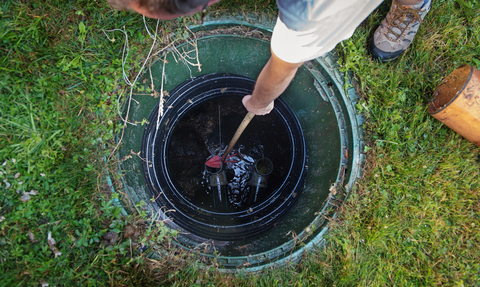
pixel 337 20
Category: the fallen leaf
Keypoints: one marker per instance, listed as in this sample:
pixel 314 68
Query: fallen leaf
pixel 42 174
pixel 32 237
pixel 109 238
pixel 14 160
pixel 25 197
pixel 17 175
pixel 51 244
pixel 132 231
pixel 128 231
pixel 7 185
pixel 44 283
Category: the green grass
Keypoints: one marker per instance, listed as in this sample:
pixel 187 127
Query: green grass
pixel 413 219
pixel 57 81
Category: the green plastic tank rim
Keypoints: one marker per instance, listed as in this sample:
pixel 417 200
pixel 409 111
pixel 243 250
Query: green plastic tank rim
pixel 116 201
pixel 315 242
pixel 329 63
pixel 319 221
pixel 219 23
pixel 248 20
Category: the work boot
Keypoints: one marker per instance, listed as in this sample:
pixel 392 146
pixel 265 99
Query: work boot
pixel 397 30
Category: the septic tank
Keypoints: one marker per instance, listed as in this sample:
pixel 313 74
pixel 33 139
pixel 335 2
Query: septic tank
pixel 313 138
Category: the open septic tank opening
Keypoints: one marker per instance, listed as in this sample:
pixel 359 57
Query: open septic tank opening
pixel 287 175
pixel 223 204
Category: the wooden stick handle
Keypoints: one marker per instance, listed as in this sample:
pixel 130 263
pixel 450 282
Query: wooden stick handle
pixel 238 133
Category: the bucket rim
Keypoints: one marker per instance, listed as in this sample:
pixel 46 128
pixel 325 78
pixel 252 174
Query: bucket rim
pixel 459 91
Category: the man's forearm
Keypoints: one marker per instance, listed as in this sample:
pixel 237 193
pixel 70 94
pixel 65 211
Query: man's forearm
pixel 271 83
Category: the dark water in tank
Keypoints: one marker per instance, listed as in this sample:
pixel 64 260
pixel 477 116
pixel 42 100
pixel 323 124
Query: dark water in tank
pixel 206 130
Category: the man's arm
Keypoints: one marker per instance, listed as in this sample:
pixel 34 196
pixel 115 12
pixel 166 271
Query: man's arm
pixel 271 83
